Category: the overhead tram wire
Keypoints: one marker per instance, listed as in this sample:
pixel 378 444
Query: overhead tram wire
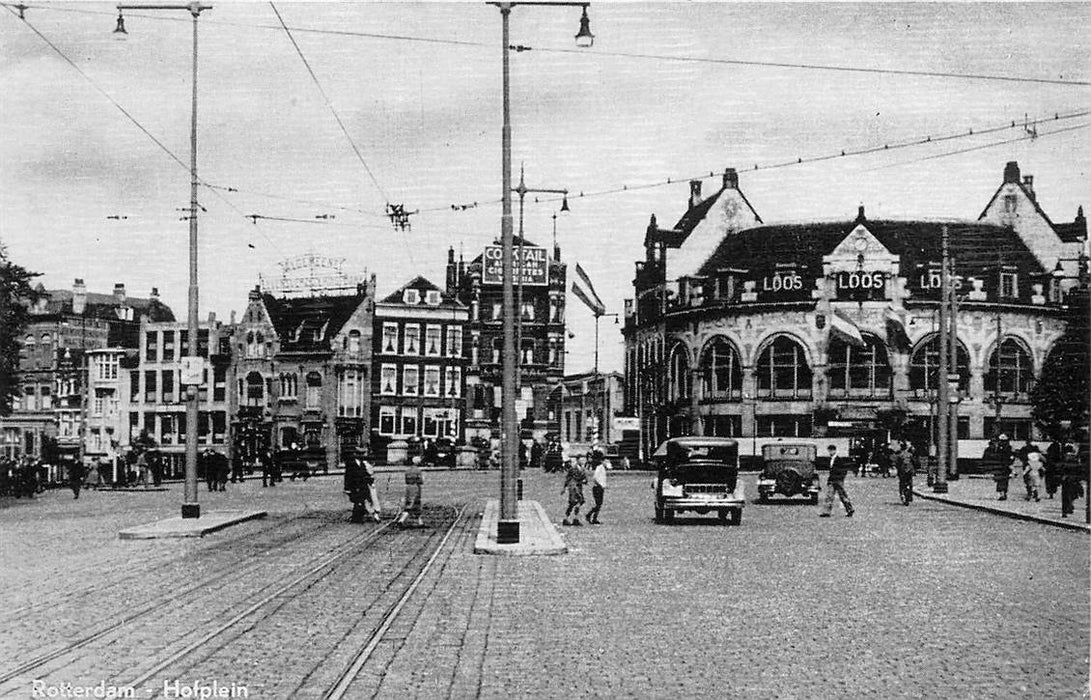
pixel 845 153
pixel 340 123
pixel 117 105
pixel 621 54
pixel 1024 137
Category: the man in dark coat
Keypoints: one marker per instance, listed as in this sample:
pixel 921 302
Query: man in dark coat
pixel 76 473
pixel 903 465
pixel 268 469
pixel 835 484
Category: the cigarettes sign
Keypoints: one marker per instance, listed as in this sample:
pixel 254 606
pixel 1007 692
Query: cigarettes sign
pixel 531 269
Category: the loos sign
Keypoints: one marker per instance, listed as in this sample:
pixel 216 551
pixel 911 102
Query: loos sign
pixel 864 284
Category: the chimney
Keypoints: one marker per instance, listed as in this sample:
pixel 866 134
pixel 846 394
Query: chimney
pixel 694 192
pixel 452 272
pixel 731 179
pixel 860 214
pixel 79 297
pixel 119 293
pixel 1011 172
pixel 1028 185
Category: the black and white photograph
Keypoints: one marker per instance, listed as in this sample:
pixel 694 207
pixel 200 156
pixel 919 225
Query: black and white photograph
pixel 544 349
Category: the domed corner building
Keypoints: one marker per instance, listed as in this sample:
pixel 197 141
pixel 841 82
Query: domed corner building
pixel 749 330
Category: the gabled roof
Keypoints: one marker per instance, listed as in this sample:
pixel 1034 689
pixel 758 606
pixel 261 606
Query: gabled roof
pixel 976 247
pixel 309 324
pixel 697 214
pixel 1030 196
pixel 103 306
pixel 422 284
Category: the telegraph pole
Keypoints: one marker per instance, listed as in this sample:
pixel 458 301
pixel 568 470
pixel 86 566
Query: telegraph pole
pixel 952 380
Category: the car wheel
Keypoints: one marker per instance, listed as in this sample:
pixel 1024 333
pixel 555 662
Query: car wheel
pixel 814 499
pixel 722 513
pixel 658 514
pixel 763 498
pixel 668 515
pixel 736 517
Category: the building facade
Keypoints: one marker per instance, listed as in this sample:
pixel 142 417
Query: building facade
pixel 540 336
pixel 105 426
pixel 302 373
pixel 588 405
pixel 154 402
pixel 48 421
pixel 419 359
pixel 749 341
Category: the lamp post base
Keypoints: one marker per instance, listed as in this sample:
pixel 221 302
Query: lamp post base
pixel 939 487
pixel 519 489
pixel 191 510
pixel 507 532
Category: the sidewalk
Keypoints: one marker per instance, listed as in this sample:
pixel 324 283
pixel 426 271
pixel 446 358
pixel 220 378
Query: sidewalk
pixel 980 494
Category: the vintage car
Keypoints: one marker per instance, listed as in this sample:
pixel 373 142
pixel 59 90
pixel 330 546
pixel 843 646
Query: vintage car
pixel 788 468
pixel 700 475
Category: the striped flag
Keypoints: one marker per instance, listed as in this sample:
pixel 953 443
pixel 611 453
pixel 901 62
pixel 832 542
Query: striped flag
pixel 582 288
pixel 844 329
pixel 896 335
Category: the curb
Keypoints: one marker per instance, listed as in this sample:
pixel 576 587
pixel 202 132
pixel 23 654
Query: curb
pixel 1005 513
pixel 538 536
pixel 189 527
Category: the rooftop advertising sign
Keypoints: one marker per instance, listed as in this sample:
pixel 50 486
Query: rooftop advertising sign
pixel 531 269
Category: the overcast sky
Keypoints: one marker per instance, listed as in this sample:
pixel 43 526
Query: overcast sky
pixel 426 117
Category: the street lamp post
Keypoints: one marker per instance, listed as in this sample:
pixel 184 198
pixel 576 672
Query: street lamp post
pixel 190 507
pixel 507 531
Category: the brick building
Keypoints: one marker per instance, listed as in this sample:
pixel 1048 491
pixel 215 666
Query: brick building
pixel 540 337
pixel 419 357
pixel 302 372
pixel 735 340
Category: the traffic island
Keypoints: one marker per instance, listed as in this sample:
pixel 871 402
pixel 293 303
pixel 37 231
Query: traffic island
pixel 537 534
pixel 190 527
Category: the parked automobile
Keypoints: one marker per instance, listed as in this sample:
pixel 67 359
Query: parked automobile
pixel 788 469
pixel 698 474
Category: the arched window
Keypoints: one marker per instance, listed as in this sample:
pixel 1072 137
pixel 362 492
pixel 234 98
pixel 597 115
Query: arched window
pixel 858 372
pixel 354 342
pixel 255 389
pixel 721 371
pixel 679 379
pixel 314 390
pixel 1009 371
pixel 924 368
pixel 783 371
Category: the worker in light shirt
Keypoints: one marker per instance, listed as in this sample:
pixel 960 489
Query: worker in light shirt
pixel 599 465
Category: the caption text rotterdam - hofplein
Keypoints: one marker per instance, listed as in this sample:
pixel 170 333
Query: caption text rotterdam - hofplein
pixel 171 689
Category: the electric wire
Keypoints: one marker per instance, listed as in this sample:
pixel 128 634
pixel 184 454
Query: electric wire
pixel 624 54
pixel 329 103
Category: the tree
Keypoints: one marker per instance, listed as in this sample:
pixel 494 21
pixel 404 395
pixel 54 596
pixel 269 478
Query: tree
pixel 16 296
pixel 1063 392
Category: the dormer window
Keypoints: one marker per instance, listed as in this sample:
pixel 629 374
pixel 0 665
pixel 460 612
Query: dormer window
pixel 431 297
pixel 1009 284
pixel 411 296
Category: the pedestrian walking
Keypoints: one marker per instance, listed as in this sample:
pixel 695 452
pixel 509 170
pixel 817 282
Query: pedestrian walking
pixel 1032 472
pixel 207 465
pixel 1072 475
pixel 1054 468
pixel 835 484
pixel 903 465
pixel 236 467
pixel 360 486
pixel 414 484
pixel 574 479
pixel 268 471
pixel 142 471
pixel 599 465
pixel 76 474
pixel 94 476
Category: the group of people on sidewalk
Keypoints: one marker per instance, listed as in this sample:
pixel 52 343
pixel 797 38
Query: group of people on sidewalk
pixel 590 468
pixel 1060 468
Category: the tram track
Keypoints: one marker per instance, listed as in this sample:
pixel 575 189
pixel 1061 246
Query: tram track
pixel 185 597
pixel 276 528
pixel 344 681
